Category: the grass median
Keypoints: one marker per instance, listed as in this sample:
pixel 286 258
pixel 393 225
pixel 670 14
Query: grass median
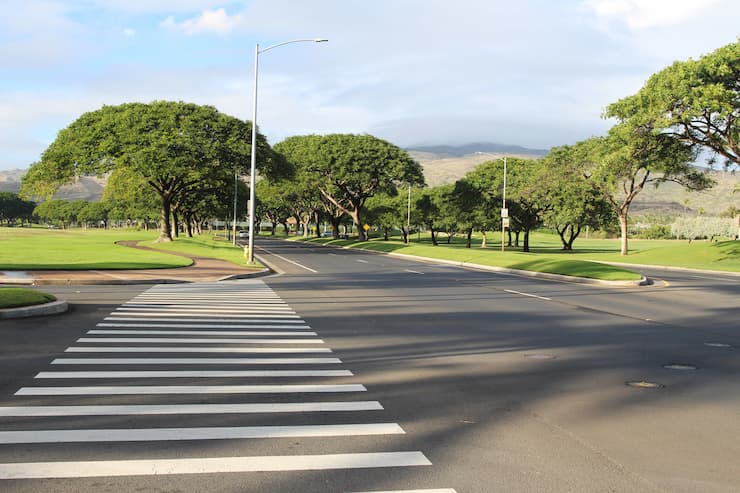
pixel 546 254
pixel 18 297
pixel 94 249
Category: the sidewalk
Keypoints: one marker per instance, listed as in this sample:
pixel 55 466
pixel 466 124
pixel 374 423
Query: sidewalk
pixel 203 270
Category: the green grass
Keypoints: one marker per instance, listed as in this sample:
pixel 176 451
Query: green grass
pixel 17 297
pixel 43 249
pixel 546 254
pixel 204 246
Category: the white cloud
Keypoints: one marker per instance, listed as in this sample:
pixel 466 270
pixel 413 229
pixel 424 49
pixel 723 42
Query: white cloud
pixel 217 21
pixel 129 33
pixel 644 14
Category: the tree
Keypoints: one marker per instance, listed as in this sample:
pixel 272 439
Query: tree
pixel 697 101
pixel 526 194
pixel 352 168
pixel 173 145
pixel 575 202
pixel 94 212
pixel 633 155
pixel 130 198
pixel 13 207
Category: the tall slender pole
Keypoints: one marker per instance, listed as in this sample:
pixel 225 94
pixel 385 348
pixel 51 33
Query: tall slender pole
pixel 253 163
pixel 408 217
pixel 236 177
pixel 503 207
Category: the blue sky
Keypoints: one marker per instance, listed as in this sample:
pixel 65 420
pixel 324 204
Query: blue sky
pixel 536 73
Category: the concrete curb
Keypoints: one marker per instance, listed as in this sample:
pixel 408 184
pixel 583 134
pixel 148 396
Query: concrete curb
pixel 53 308
pixel 541 275
pixel 249 275
pixel 643 281
pixel 681 269
pixel 119 282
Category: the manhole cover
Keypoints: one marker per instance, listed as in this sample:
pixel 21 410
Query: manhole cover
pixel 679 366
pixel 539 356
pixel 642 384
pixel 716 344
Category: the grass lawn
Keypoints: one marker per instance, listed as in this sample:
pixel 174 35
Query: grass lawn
pixel 204 246
pixel 16 297
pixel 77 249
pixel 546 255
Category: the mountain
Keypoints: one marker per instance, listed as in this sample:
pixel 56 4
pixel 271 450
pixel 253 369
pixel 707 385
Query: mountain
pixel 445 164
pixel 447 151
pixel 85 188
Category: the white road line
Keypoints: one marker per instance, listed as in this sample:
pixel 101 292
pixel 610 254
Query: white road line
pixel 202 332
pixel 227 323
pixel 361 261
pixel 527 295
pixel 203 465
pixel 195 374
pixel 186 349
pixel 189 389
pixel 200 306
pixel 147 409
pixel 199 340
pixel 211 433
pixel 196 361
pixel 413 271
pixel 204 310
pixel 434 490
pixel 185 316
pixel 288 260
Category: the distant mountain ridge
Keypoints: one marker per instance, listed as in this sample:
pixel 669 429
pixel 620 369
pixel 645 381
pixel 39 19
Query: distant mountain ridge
pixel 445 151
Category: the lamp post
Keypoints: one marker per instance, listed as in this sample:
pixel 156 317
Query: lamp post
pixel 504 213
pixel 252 172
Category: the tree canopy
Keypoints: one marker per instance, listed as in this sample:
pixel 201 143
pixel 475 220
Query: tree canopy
pixel 352 168
pixel 697 101
pixel 175 146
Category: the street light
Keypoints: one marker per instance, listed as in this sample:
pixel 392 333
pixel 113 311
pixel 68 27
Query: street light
pixel 252 172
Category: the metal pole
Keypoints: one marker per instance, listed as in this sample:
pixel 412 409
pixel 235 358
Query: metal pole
pixel 503 228
pixel 236 177
pixel 253 164
pixel 408 217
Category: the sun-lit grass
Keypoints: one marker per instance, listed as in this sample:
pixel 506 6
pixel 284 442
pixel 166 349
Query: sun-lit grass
pixel 17 297
pixel 546 254
pixel 44 249
pixel 204 246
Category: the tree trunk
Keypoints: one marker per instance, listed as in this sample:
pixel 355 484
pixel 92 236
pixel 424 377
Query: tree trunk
pixel 165 225
pixel 470 234
pixel 355 215
pixel 188 226
pixel 405 234
pixel 623 227
pixel 526 240
pixel 335 225
pixel 574 232
pixel 516 238
pixel 508 234
pixel 561 233
pixel 484 241
pixel 434 237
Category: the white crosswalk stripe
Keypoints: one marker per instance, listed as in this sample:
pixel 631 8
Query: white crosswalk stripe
pixel 177 320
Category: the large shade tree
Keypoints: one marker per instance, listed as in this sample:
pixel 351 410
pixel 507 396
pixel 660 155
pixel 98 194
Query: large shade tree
pixel 174 146
pixel 352 168
pixel 633 156
pixel 697 101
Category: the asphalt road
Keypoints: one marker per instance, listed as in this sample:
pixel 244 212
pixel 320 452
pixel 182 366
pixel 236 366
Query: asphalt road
pixel 501 382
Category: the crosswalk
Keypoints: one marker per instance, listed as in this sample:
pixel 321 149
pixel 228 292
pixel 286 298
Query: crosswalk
pixel 197 352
